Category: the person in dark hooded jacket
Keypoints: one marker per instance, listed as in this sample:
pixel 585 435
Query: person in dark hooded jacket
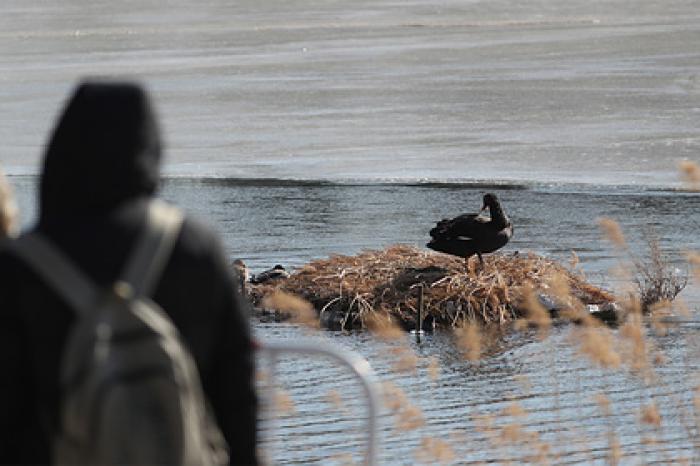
pixel 100 171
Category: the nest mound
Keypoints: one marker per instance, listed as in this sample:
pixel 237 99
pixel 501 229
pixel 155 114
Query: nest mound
pixel 347 290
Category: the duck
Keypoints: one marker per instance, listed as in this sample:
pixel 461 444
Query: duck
pixel 275 273
pixel 469 234
pixel 242 269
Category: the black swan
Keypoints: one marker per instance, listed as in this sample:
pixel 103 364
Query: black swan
pixel 470 234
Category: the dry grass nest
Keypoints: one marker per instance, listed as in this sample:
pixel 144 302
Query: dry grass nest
pixel 348 291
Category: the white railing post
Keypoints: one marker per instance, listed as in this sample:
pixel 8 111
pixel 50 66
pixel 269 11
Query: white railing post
pixel 353 361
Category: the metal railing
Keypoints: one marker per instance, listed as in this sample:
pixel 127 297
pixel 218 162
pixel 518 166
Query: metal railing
pixel 358 365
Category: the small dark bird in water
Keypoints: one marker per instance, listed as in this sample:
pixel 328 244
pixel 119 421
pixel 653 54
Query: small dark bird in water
pixel 470 234
pixel 275 273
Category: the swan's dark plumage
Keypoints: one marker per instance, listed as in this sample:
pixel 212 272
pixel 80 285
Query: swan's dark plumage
pixel 469 234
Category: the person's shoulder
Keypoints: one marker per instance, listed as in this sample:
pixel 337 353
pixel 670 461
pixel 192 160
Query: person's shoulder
pixel 12 267
pixel 7 255
pixel 199 238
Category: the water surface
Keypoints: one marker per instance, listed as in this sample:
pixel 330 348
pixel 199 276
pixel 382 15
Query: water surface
pixel 267 223
pixel 577 91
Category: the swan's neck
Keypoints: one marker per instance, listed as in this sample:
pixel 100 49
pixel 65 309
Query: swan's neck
pixel 498 217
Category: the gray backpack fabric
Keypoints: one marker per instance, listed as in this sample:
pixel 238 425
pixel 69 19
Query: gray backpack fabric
pixel 131 390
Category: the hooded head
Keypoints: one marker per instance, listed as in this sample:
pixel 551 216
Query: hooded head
pixel 104 150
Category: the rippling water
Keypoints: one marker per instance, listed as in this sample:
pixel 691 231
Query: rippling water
pixel 394 115
pixel 267 223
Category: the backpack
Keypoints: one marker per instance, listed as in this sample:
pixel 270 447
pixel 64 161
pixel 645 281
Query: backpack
pixel 131 392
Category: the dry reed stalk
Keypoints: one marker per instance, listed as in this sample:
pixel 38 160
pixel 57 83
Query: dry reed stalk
pixel 405 359
pixel 660 359
pixel 542 455
pixel 603 403
pixel 383 326
pixel 630 302
pixel 469 341
pixel 511 433
pixel 434 450
pixel 514 433
pixel 336 401
pixel 434 369
pixel 597 344
pixel 410 417
pixel 484 423
pixel 340 458
pixel 535 313
pixel 574 261
pixel 613 232
pixel 261 376
pixel 656 278
pixel 690 173
pixel 284 404
pixel 524 382
pixel 559 286
pixel 614 450
pixel 301 310
pixel 693 427
pixel 694 260
pixel 514 410
pixel 623 274
pixel 649 442
pixel 394 398
pixel 8 209
pixel 539 451
pixel 636 348
pixel 681 307
pixel 660 312
pixel 650 415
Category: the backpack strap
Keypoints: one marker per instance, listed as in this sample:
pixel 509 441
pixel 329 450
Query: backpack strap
pixel 141 271
pixel 57 270
pixel 152 251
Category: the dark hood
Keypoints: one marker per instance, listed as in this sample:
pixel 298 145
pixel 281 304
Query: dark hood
pixel 105 150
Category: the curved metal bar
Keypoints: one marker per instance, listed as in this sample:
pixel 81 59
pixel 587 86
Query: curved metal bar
pixel 352 360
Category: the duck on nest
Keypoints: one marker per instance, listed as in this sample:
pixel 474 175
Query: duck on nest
pixel 275 273
pixel 469 234
pixel 242 271
pixel 240 267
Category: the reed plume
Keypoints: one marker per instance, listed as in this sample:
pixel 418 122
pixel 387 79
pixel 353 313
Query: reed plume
pixel 8 209
pixel 300 310
pixel 469 340
pixel 613 232
pixel 690 174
